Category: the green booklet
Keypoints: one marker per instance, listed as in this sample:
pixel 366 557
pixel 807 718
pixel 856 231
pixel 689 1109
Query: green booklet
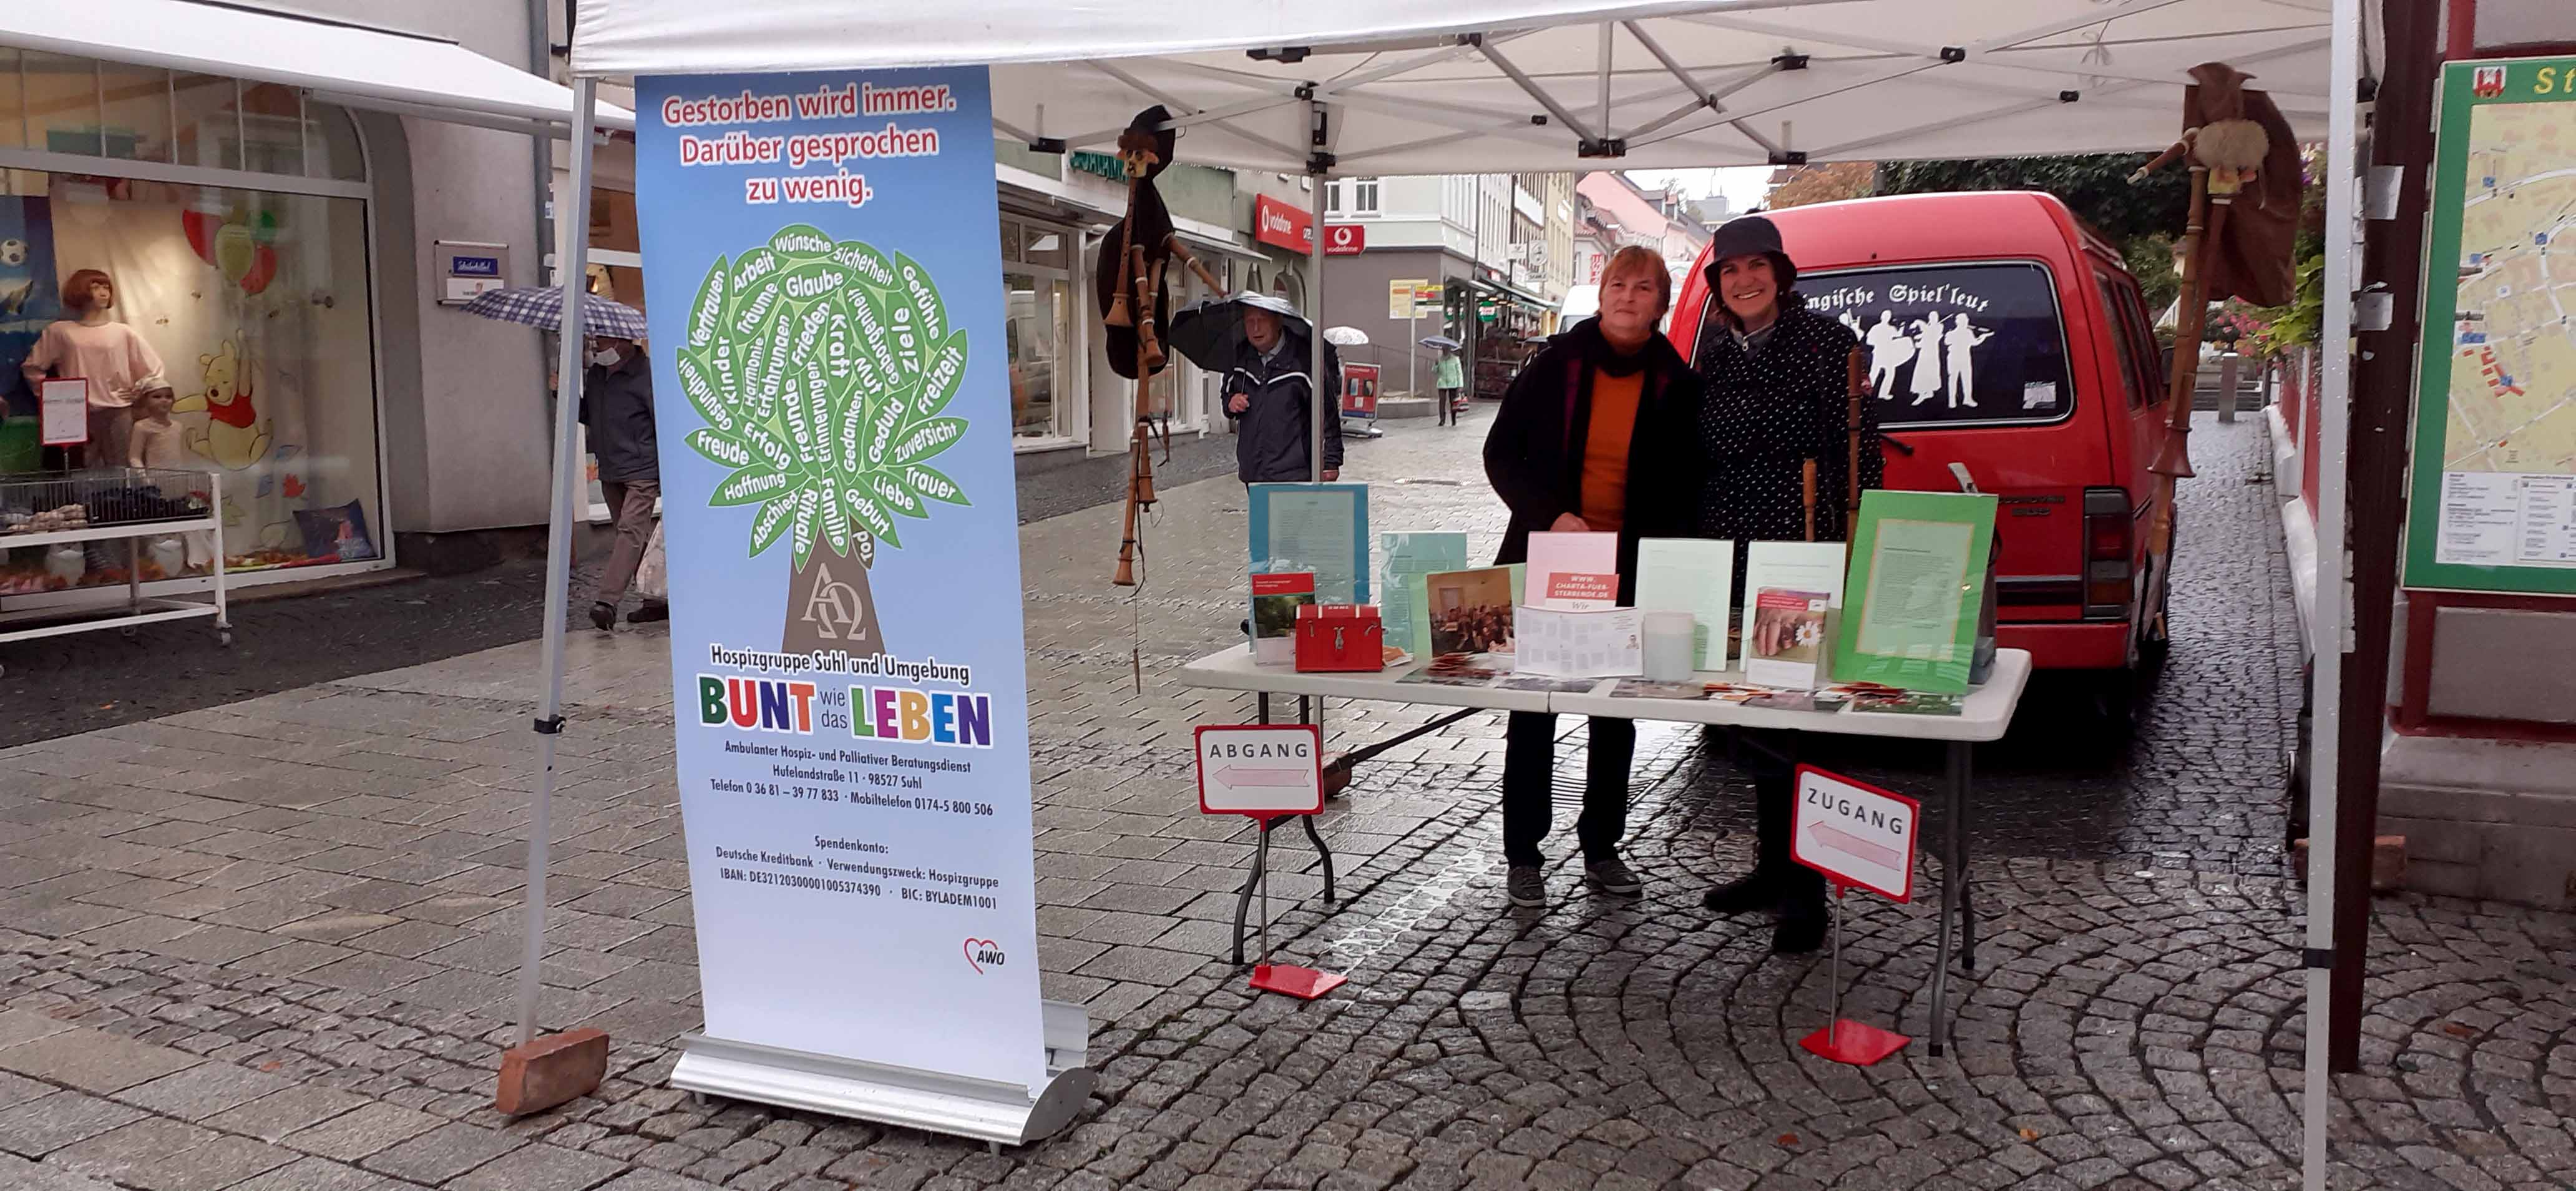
pixel 1916 586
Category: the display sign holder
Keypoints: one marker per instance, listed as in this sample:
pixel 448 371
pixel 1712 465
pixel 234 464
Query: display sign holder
pixel 63 405
pixel 1855 834
pixel 1270 772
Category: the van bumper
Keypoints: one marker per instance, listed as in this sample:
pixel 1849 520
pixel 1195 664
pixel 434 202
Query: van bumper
pixel 2088 645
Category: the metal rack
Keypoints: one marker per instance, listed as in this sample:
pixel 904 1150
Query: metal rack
pixel 107 504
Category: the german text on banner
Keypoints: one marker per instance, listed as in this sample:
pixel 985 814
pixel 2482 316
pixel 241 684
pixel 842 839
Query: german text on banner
pixel 833 412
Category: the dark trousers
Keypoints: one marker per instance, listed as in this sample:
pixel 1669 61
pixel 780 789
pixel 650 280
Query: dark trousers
pixel 1529 767
pixel 1770 758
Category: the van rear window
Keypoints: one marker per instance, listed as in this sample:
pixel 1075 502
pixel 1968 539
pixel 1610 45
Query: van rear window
pixel 1954 345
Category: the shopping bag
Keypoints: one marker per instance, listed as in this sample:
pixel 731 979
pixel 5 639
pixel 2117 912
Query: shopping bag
pixel 653 575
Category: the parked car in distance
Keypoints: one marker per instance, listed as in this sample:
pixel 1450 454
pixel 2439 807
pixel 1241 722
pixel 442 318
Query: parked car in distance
pixel 2005 337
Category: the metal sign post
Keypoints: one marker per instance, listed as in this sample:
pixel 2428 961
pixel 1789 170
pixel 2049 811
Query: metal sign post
pixel 1861 835
pixel 1271 773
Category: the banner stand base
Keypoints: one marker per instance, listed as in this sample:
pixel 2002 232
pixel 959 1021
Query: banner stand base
pixel 1001 1113
pixel 1848 1041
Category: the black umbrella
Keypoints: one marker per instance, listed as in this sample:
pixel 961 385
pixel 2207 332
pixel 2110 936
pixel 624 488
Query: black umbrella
pixel 1210 333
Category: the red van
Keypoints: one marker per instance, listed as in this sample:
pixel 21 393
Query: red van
pixel 2006 337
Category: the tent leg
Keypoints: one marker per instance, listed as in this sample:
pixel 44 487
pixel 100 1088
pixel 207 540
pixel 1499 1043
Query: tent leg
pixel 2326 677
pixel 1324 389
pixel 567 470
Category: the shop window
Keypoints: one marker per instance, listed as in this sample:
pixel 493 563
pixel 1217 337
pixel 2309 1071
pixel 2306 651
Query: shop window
pixel 207 113
pixel 256 305
pixel 1041 245
pixel 1351 196
pixel 273 129
pixel 1038 306
pixel 59 104
pixel 135 112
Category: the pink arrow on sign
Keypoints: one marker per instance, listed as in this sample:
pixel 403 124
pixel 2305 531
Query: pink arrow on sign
pixel 1236 775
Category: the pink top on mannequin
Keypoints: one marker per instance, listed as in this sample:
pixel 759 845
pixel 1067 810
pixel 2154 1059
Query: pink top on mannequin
pixel 116 361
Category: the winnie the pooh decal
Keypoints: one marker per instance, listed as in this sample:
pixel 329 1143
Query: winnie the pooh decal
pixel 234 435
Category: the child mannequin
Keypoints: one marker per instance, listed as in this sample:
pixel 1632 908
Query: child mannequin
pixel 156 441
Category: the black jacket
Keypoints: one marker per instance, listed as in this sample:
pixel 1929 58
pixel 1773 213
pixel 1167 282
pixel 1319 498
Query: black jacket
pixel 617 416
pixel 1766 414
pixel 1270 435
pixel 1534 454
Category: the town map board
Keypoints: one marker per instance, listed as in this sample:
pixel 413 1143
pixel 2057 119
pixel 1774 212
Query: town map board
pixel 2493 505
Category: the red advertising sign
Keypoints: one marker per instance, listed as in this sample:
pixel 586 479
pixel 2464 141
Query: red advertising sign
pixel 1359 384
pixel 1275 222
pixel 1345 239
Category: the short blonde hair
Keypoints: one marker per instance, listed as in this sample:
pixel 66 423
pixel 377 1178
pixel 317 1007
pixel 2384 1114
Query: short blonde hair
pixel 1640 257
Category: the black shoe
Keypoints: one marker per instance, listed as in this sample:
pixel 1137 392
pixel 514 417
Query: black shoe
pixel 604 617
pixel 649 612
pixel 1758 890
pixel 1801 930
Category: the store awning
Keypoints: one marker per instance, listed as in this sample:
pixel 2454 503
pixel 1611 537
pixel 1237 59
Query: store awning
pixel 348 64
pixel 1450 86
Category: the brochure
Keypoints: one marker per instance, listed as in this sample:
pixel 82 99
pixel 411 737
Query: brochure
pixel 1321 528
pixel 1638 688
pixel 1402 558
pixel 1557 686
pixel 1465 611
pixel 1916 588
pixel 1784 639
pixel 1790 566
pixel 1908 703
pixel 1694 575
pixel 1276 596
pixel 1574 571
pixel 1602 643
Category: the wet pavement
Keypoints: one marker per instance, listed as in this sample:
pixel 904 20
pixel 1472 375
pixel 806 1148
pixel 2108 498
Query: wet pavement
pixel 267 944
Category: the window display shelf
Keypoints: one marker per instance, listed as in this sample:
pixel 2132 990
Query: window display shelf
pixel 137 609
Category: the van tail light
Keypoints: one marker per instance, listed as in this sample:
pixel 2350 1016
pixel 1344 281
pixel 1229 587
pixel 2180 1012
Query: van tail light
pixel 2110 544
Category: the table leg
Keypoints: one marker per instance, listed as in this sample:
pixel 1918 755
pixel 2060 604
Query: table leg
pixel 1305 710
pixel 1243 900
pixel 1261 706
pixel 1320 850
pixel 1960 796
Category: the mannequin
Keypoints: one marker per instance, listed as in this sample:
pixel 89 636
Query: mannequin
pixel 116 361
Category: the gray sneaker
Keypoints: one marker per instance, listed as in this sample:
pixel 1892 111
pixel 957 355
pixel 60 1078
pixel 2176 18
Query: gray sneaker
pixel 1612 876
pixel 1527 886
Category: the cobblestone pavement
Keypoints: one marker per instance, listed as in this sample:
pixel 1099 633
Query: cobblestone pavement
pixel 266 946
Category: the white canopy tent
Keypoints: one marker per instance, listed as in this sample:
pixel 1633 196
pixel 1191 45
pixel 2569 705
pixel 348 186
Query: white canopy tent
pixel 340 62
pixel 1365 87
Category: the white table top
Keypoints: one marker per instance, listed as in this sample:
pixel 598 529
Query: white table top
pixel 1984 715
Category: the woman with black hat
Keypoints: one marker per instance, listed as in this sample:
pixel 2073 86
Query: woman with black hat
pixel 1776 378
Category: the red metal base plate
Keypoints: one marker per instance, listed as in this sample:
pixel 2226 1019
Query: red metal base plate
pixel 1848 1041
pixel 1294 981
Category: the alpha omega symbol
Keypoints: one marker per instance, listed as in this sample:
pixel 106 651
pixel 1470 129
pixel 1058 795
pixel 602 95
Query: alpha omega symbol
pixel 834 608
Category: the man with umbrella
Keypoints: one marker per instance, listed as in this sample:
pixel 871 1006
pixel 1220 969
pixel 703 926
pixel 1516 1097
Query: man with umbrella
pixel 1269 393
pixel 617 415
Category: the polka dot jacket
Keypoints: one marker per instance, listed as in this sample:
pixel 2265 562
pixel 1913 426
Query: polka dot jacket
pixel 1765 414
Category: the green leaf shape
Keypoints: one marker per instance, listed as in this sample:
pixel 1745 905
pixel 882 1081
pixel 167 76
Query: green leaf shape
pixel 751 485
pixel 804 531
pixel 946 373
pixel 891 493
pixel 816 281
pixel 724 363
pixel 771 450
pixel 929 314
pixel 801 241
pixel 706 315
pixel 704 396
pixel 933 484
pixel 754 266
pixel 867 544
pixel 811 451
pixel 772 521
pixel 755 304
pixel 871 265
pixel 893 409
pixel 927 439
pixel 878 363
pixel 817 391
pixel 763 385
pixel 872 516
pixel 849 429
pixel 720 447
pixel 836 522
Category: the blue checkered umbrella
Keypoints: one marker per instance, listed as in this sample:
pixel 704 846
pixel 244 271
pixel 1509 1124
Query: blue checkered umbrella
pixel 542 307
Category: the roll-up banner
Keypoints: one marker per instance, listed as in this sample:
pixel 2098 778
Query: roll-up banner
pixel 833 413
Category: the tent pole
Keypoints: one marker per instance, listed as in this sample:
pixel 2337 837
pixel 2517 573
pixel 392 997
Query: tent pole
pixel 1325 388
pixel 2325 682
pixel 573 227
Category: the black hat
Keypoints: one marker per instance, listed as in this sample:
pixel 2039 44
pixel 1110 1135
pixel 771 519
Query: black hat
pixel 1747 235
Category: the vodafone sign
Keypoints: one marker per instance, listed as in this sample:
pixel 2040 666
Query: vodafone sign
pixel 1275 222
pixel 1345 239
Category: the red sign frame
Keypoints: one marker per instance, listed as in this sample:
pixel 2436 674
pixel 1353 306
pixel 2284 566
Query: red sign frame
pixel 1359 390
pixel 1315 753
pixel 1913 832
pixel 1345 239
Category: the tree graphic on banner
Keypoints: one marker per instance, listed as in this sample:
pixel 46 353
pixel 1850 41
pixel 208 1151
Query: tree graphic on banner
pixel 822 370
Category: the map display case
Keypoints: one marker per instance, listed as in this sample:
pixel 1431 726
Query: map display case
pixel 2492 502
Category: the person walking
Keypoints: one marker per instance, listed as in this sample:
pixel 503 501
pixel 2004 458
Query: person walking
pixel 617 417
pixel 1450 377
pixel 1777 377
pixel 1267 392
pixel 1595 435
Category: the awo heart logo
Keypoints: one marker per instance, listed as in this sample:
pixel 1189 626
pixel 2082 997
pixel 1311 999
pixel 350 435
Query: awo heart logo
pixel 982 953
